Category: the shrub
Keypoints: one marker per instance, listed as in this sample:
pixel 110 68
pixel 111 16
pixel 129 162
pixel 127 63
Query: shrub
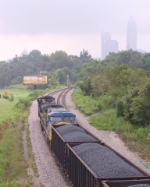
pixel 106 102
pixel 120 108
pixel 5 96
pixel 36 94
pixel 148 137
pixel 23 103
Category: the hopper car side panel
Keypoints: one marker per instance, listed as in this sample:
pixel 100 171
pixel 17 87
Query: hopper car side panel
pixel 60 149
pixel 76 168
pixel 127 183
pixel 79 174
pixel 89 179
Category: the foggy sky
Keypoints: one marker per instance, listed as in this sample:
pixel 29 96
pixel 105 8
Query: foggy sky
pixel 69 25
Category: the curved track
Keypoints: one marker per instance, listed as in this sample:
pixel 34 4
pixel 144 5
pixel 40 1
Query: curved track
pixel 50 173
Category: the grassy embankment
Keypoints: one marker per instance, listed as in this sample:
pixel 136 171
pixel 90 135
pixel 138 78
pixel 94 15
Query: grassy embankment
pixel 13 123
pixel 103 117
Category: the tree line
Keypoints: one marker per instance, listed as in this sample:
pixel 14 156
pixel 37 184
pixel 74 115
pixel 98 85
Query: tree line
pixel 58 66
pixel 125 77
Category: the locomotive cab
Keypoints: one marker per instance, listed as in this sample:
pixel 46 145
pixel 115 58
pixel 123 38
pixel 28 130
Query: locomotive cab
pixel 44 100
pixel 57 118
pixel 62 116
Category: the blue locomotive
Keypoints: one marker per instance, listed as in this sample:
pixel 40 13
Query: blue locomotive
pixel 51 113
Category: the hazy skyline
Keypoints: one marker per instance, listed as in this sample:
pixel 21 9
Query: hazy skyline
pixel 131 34
pixel 69 25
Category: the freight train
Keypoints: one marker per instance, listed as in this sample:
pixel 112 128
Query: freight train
pixel 51 113
pixel 87 161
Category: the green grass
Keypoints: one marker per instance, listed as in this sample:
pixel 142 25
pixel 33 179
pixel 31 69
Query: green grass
pixel 137 138
pixel 86 104
pixel 104 118
pixel 13 121
pixel 9 154
pixel 7 110
pixel 107 120
pixel 13 165
pixel 90 105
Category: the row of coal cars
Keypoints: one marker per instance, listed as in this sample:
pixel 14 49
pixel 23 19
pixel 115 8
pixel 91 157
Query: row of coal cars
pixel 86 160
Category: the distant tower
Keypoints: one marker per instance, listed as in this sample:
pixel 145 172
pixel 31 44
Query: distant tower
pixel 24 52
pixel 107 45
pixel 131 34
pixel 105 36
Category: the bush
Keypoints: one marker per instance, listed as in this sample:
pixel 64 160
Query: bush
pixel 120 108
pixel 23 103
pixel 5 96
pixel 86 87
pixel 106 102
pixel 86 104
pixel 35 94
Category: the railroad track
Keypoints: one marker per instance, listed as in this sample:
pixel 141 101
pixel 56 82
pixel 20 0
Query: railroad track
pixel 50 173
pixel 62 96
pixel 59 92
pixel 84 170
pixel 60 99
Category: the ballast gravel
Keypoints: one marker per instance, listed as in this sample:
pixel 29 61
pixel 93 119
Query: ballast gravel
pixel 50 173
pixel 104 162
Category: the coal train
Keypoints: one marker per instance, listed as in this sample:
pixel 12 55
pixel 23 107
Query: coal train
pixel 87 161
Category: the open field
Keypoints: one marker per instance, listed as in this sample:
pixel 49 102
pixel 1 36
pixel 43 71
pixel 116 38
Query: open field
pixel 16 156
pixel 6 106
pixel 12 125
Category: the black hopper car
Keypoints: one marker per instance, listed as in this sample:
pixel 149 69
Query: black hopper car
pixel 86 160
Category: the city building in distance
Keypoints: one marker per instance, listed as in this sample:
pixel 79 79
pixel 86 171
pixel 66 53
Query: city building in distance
pixel 24 52
pixel 108 45
pixel 131 35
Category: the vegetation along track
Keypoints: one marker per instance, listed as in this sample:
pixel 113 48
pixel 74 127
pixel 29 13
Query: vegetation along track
pixel 108 137
pixel 55 177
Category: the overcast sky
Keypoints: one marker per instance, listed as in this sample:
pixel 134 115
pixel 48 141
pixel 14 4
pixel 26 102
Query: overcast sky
pixel 69 25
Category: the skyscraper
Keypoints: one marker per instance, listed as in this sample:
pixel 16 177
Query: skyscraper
pixel 131 34
pixel 107 45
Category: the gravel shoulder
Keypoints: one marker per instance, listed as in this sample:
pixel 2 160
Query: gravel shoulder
pixel 50 173
pixel 108 137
